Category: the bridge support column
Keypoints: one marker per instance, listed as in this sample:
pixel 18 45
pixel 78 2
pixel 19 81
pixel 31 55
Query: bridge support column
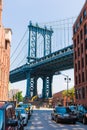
pixel 50 86
pixel 47 87
pixel 44 88
pixel 35 87
pixel 28 94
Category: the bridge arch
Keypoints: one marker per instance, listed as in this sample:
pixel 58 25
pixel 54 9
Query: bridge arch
pixel 39 86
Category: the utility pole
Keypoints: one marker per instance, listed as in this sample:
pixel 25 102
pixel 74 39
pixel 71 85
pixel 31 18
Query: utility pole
pixel 67 79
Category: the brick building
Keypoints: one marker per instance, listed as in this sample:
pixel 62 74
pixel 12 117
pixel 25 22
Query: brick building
pixel 5 39
pixel 58 98
pixel 80 56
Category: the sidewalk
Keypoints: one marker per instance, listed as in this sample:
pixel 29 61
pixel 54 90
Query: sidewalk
pixel 42 108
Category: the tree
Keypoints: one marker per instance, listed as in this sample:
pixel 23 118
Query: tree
pixel 19 97
pixel 70 94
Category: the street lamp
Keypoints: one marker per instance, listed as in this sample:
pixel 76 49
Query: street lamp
pixel 67 79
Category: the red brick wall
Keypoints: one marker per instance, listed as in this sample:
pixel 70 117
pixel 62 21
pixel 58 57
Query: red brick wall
pixel 5 39
pixel 58 98
pixel 80 56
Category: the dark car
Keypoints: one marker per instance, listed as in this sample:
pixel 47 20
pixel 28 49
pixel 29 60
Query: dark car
pixel 7 116
pixel 63 114
pixel 73 109
pixel 82 113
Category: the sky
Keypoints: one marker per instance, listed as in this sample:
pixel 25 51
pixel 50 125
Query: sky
pixel 18 13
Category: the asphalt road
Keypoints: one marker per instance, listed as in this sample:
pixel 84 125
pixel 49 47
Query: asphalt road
pixel 41 120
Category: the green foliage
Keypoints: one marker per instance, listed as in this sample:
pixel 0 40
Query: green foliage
pixel 19 96
pixel 70 93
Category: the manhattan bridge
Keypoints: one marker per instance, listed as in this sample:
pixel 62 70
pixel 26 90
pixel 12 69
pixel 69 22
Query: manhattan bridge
pixel 44 50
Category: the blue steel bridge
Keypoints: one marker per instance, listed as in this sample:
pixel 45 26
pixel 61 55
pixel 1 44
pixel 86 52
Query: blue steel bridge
pixel 43 62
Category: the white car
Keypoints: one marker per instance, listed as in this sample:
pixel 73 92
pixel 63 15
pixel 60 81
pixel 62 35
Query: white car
pixel 23 114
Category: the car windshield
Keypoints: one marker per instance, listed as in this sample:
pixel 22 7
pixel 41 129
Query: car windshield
pixel 25 105
pixel 72 107
pixel 22 111
pixel 62 110
pixel 1 119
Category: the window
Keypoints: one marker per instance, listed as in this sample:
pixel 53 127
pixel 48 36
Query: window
pixel 86 75
pixel 78 39
pixel 85 30
pixel 84 13
pixel 78 65
pixel 10 111
pixel 79 92
pixel 74 30
pixel 6 44
pixel 81 35
pixel 82 76
pixel 82 62
pixel 79 78
pixel 78 52
pixel 83 92
pixel 76 80
pixel 85 43
pixel 80 20
pixel 86 59
pixel 81 48
pixel 77 26
pixel 76 94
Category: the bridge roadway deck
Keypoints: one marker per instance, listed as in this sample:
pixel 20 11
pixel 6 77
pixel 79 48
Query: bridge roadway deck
pixel 45 66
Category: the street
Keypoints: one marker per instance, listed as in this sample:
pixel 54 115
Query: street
pixel 41 120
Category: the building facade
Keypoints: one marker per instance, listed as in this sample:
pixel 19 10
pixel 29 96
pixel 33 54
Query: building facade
pixel 80 56
pixel 58 99
pixel 12 93
pixel 5 40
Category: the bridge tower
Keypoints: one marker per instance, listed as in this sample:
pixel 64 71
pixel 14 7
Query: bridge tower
pixel 46 34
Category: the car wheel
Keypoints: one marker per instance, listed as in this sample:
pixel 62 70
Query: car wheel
pixel 84 120
pixel 51 118
pixel 56 120
pixel 74 122
pixel 21 128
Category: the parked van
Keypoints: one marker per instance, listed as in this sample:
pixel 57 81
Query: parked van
pixel 7 116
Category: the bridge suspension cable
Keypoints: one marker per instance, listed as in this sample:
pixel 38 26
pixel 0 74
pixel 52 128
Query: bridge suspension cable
pixel 19 43
pixel 21 60
pixel 20 52
pixel 62 20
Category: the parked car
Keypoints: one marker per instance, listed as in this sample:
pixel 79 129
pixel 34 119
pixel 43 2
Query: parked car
pixel 82 113
pixel 7 114
pixel 20 120
pixel 23 114
pixel 73 109
pixel 63 114
pixel 27 107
